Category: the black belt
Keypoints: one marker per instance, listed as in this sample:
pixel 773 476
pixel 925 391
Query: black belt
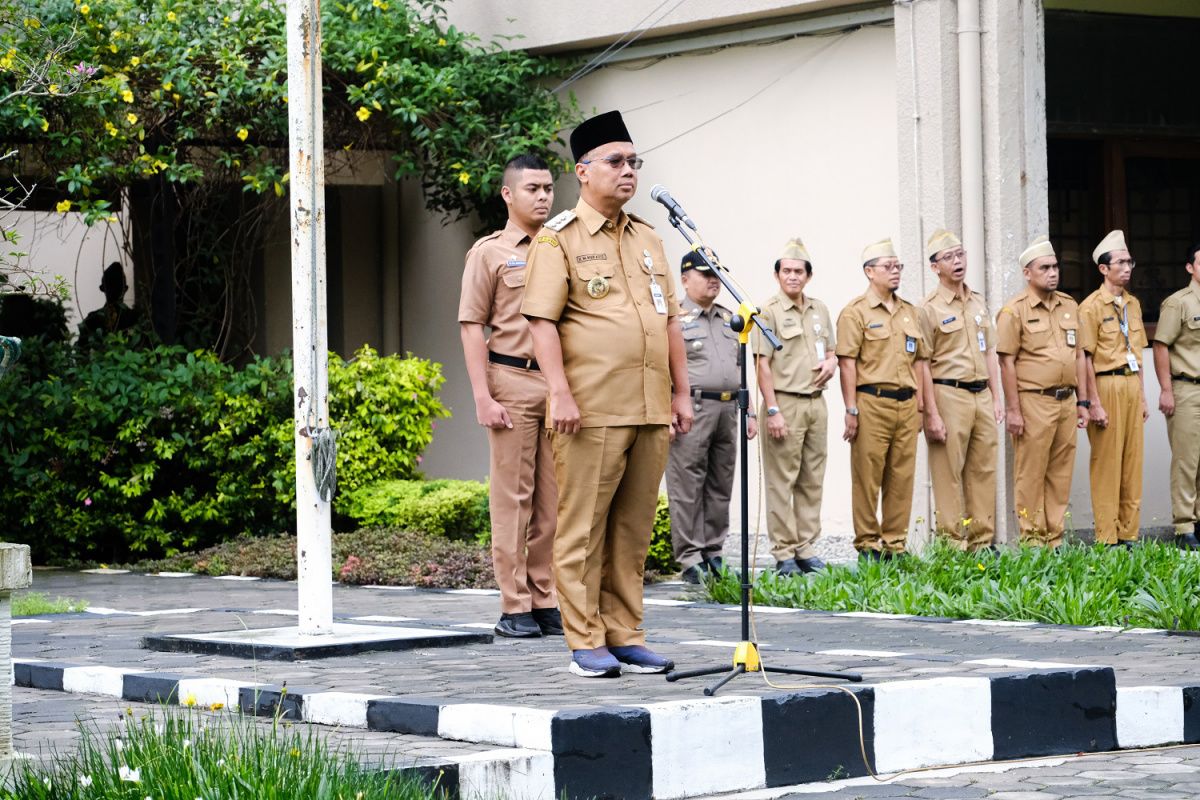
pixel 1117 371
pixel 971 386
pixel 1058 392
pixel 890 394
pixel 512 361
pixel 722 396
pixel 1185 378
pixel 809 395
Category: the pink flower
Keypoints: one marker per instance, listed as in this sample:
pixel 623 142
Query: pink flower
pixel 418 459
pixel 87 501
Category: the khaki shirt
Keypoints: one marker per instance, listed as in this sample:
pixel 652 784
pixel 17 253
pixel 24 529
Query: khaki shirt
pixel 614 341
pixel 493 282
pixel 1179 329
pixel 959 333
pixel 711 347
pixel 805 332
pixel 1100 333
pixel 1043 336
pixel 884 343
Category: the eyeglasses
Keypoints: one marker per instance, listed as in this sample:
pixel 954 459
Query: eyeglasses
pixel 616 162
pixel 1124 262
pixel 889 267
pixel 950 258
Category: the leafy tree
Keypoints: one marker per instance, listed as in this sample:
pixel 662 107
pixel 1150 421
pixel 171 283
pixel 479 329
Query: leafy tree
pixel 189 109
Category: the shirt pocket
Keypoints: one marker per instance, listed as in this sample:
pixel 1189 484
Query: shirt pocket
pixel 951 325
pixel 1137 333
pixel 912 339
pixel 514 278
pixel 596 287
pixel 1070 332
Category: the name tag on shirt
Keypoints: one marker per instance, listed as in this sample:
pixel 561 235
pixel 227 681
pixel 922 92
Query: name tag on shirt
pixel 982 341
pixel 513 263
pixel 1071 337
pixel 910 344
pixel 656 294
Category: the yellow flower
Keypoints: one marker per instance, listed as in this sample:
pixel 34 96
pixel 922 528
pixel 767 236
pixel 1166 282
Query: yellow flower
pixel 441 42
pixel 171 16
pixel 112 48
pixel 63 206
pixel 217 706
pixel 982 568
pixel 127 95
pixel 52 88
pixel 85 9
pixel 6 61
pixel 112 129
pixel 190 701
pixel 363 113
pixel 33 22
pixel 131 119
pixel 464 177
pixel 295 753
pixel 133 62
pixel 168 86
pixel 45 125
pixel 242 133
pixel 380 4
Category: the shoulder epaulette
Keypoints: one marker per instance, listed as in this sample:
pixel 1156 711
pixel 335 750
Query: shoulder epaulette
pixel 560 221
pixel 636 218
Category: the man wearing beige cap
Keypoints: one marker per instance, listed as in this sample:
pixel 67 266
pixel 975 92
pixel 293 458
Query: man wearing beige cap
pixel 605 323
pixel 1177 365
pixel 700 465
pixel 1113 337
pixel 962 399
pixel 879 347
pixel 1041 368
pixel 791 382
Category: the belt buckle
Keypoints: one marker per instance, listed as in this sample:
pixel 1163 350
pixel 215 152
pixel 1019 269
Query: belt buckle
pixel 1062 394
pixel 726 396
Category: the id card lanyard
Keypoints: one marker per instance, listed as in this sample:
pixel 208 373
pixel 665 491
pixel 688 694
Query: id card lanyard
pixel 1130 358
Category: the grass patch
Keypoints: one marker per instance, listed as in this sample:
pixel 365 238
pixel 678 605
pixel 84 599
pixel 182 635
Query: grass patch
pixel 386 556
pixel 185 753
pixel 32 604
pixel 1152 585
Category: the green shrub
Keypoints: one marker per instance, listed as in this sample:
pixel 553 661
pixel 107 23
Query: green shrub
pixel 660 558
pixel 150 451
pixel 453 509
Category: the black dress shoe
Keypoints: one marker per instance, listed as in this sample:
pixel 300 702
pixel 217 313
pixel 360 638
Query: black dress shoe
pixel 810 564
pixel 549 621
pixel 714 565
pixel 693 574
pixel 870 555
pixel 894 555
pixel 788 568
pixel 1187 541
pixel 518 626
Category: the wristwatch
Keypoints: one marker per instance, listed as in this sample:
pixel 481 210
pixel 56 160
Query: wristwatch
pixel 852 411
pixel 1084 403
pixel 772 410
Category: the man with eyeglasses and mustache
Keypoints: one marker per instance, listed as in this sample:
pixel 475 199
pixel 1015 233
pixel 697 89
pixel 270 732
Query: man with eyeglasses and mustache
pixel 1113 337
pixel 1045 393
pixel 961 383
pixel 879 347
pixel 604 317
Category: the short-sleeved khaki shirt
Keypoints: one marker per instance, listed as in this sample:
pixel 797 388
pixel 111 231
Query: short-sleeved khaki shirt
pixel 1179 329
pixel 884 343
pixel 1100 335
pixel 492 285
pixel 711 347
pixel 1044 337
pixel 593 278
pixel 959 333
pixel 807 336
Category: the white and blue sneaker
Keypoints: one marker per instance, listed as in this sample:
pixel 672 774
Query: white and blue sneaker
pixel 598 663
pixel 636 658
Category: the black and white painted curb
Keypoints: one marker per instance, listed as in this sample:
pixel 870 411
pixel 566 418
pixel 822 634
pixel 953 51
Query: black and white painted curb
pixel 686 748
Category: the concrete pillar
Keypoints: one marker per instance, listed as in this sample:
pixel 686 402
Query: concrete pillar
pixel 930 155
pixel 15 573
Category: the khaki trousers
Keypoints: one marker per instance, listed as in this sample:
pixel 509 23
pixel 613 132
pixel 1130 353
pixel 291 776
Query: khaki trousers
pixel 794 471
pixel 607 492
pixel 883 455
pixel 1183 431
pixel 963 467
pixel 1044 458
pixel 699 481
pixel 1116 462
pixel 522 495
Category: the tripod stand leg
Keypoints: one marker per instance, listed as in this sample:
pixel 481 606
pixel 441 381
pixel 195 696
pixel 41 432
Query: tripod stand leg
pixel 676 675
pixel 733 673
pixel 853 677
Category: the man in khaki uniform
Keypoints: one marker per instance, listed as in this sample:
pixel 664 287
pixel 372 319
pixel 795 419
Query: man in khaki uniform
pixel 879 345
pixel 1112 336
pixel 791 382
pixel 1177 365
pixel 1041 366
pixel 605 326
pixel 700 465
pixel 510 401
pixel 962 399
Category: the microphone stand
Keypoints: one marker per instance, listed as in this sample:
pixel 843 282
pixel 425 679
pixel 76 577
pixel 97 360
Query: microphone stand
pixel 745 655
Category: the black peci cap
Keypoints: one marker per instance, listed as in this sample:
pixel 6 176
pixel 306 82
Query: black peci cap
pixel 600 129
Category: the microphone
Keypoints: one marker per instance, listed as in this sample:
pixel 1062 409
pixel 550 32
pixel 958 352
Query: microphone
pixel 659 193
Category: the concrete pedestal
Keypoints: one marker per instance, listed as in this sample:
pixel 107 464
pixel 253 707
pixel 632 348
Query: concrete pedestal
pixel 16 572
pixel 289 644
